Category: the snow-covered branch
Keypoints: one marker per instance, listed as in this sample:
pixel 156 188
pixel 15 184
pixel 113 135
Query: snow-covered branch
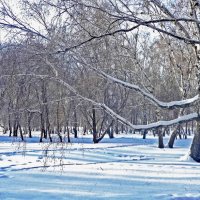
pixel 149 96
pixel 182 119
pixel 159 124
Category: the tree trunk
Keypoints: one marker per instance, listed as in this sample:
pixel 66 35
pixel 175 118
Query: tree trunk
pixel 173 137
pixel 122 128
pixel 20 131
pixel 15 129
pixel 186 128
pixel 94 125
pixel 116 127
pixel 42 127
pixel 164 132
pixel 10 127
pixel 29 132
pixel 68 134
pixel 48 131
pixel 97 140
pixel 59 135
pixel 75 132
pixel 58 122
pixel 192 127
pixel 75 124
pixel 160 139
pixel 144 134
pixel 195 147
pixel 110 132
pixel 84 130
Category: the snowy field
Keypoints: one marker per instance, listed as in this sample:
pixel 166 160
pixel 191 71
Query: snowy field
pixel 126 167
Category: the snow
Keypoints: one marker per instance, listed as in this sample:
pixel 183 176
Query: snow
pixel 126 167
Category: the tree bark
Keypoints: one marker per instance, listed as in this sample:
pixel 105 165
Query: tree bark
pixel 144 134
pixel 172 138
pixel 68 134
pixel 42 127
pixel 160 139
pixel 15 129
pixel 116 127
pixel 20 131
pixel 94 125
pixel 10 126
pixel 75 122
pixel 97 140
pixel 195 147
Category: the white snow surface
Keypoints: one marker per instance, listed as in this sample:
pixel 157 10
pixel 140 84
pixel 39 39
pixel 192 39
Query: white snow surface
pixel 126 167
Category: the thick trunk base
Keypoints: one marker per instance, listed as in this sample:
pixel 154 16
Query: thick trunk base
pixel 195 147
pixel 160 139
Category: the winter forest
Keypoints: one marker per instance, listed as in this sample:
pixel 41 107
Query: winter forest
pixel 99 99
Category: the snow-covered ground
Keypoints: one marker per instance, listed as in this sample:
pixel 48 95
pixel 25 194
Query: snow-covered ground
pixel 126 167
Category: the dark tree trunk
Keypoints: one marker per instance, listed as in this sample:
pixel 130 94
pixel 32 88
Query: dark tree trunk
pixel 189 132
pixel 192 127
pixel 10 127
pixel 94 125
pixel 58 122
pixel 173 137
pixel 29 132
pixel 160 139
pixel 66 124
pixel 144 134
pixel 195 147
pixel 84 130
pixel 15 129
pixel 75 132
pixel 116 127
pixel 164 133
pixel 110 132
pixel 186 128
pixel 122 128
pixel 97 140
pixel 20 131
pixel 68 134
pixel 29 124
pixel 45 133
pixel 75 124
pixel 59 135
pixel 42 127
pixel 41 134
pixel 49 132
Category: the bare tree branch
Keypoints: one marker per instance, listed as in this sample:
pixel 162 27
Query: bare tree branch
pixel 182 119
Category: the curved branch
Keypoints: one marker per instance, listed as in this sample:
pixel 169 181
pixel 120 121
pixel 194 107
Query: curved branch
pixel 149 96
pixel 182 119
pixel 155 125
